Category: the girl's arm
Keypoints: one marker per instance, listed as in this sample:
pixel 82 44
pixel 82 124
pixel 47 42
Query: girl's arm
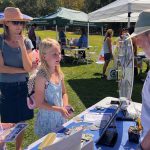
pixel 109 44
pixel 8 69
pixel 39 96
pixel 64 94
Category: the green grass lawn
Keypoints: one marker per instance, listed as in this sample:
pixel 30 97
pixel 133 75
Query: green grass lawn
pixel 84 85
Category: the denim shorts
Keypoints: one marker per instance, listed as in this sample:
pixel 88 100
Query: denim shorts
pixel 13 102
pixel 107 56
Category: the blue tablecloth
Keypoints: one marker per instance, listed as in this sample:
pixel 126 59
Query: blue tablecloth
pixel 121 126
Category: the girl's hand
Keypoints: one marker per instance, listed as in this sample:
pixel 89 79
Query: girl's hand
pixel 69 109
pixel 64 112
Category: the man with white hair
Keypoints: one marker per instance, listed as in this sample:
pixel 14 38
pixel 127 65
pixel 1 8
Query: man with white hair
pixel 142 35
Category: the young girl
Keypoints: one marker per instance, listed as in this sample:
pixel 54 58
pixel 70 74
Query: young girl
pixel 50 93
pixel 107 50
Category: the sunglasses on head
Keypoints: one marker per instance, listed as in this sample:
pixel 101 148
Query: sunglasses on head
pixel 18 22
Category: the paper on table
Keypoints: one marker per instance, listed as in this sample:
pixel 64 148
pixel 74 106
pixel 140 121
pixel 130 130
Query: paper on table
pixel 96 117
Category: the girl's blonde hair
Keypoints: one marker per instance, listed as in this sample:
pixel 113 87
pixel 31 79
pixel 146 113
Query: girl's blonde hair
pixel 45 45
pixel 109 33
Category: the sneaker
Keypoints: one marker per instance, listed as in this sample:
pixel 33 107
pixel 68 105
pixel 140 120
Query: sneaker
pixel 103 76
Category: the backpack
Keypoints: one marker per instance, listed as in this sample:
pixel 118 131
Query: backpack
pixel 31 86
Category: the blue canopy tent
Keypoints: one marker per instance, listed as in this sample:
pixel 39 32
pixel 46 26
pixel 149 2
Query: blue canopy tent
pixel 1 15
pixel 25 16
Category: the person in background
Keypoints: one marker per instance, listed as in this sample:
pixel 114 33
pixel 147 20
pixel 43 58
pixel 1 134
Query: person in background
pixel 38 41
pixel 130 31
pixel 142 35
pixel 50 93
pixel 122 32
pixel 107 46
pixel 83 42
pixel 62 40
pixel 15 63
pixel 32 35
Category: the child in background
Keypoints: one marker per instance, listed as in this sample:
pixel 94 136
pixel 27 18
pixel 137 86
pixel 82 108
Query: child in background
pixel 50 92
pixel 107 46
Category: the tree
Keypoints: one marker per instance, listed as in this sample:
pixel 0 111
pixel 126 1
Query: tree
pixel 6 3
pixel 77 4
pixel 28 7
pixel 36 8
pixel 90 5
pixel 46 6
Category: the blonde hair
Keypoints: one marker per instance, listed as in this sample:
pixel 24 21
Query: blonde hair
pixel 44 46
pixel 109 33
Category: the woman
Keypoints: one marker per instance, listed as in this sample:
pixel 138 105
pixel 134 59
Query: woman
pixel 15 63
pixel 107 50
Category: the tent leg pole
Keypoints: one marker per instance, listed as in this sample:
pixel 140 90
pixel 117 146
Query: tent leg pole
pixel 102 30
pixel 56 33
pixel 129 15
pixel 88 34
pixel 128 22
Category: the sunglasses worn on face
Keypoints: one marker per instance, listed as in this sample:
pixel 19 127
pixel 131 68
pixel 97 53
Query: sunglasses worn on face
pixel 18 22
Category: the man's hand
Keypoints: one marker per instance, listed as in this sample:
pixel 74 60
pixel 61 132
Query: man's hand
pixel 146 142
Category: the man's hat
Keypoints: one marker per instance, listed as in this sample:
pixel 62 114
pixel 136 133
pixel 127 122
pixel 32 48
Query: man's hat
pixel 13 14
pixel 143 23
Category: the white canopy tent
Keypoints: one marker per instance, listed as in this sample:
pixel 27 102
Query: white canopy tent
pixel 119 7
pixel 120 18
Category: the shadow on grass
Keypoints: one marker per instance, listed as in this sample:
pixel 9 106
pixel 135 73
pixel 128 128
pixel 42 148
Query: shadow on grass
pixel 72 62
pixel 93 90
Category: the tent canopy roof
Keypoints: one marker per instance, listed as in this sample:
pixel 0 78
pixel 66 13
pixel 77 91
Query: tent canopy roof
pixel 69 14
pixel 63 16
pixel 119 7
pixel 120 18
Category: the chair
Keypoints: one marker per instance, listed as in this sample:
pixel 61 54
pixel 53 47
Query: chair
pixel 79 56
pixel 100 59
pixel 91 51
